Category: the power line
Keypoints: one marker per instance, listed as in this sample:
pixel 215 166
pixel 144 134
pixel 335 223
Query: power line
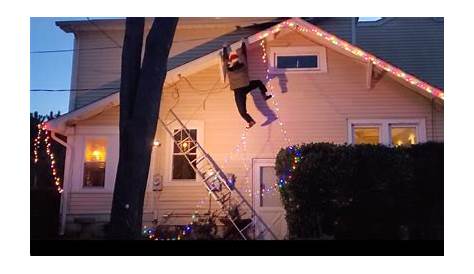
pixel 77 89
pixel 70 50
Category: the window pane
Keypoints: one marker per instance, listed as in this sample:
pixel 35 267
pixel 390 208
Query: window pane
pixel 366 135
pixel 302 61
pixel 95 150
pixel 182 169
pixel 180 135
pixel 94 162
pixel 269 196
pixel 94 174
pixel 402 136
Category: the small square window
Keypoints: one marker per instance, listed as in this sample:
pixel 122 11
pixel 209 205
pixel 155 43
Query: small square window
pixel 403 135
pixel 297 62
pixel 94 163
pixel 366 135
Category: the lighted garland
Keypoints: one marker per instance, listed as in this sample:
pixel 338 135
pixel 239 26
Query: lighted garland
pixel 296 157
pixel 37 143
pixel 356 52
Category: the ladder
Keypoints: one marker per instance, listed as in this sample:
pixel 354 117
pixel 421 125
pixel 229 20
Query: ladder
pixel 223 191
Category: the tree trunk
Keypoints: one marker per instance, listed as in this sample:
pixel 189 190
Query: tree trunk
pixel 140 96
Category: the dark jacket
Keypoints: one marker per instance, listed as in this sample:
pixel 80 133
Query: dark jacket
pixel 238 73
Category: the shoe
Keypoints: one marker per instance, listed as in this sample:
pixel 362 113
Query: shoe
pixel 251 124
pixel 269 121
pixel 268 97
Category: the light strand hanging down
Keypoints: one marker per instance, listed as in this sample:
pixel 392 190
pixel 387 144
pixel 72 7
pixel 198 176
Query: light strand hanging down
pixel 359 53
pixel 37 142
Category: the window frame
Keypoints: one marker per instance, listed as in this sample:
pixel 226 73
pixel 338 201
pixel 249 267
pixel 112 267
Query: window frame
pixel 385 125
pixel 193 124
pixel 106 186
pixel 354 126
pixel 319 51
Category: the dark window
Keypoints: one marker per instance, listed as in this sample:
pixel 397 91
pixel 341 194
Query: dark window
pixel 182 170
pixel 297 61
pixel 94 174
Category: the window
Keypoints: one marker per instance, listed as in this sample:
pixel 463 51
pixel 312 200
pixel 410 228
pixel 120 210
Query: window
pixel 395 132
pixel 297 62
pixel 297 59
pixel 94 163
pixel 366 135
pixel 268 197
pixel 403 135
pixel 181 169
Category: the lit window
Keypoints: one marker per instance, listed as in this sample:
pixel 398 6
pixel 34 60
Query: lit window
pixel 94 163
pixel 182 170
pixel 403 135
pixel 297 62
pixel 366 135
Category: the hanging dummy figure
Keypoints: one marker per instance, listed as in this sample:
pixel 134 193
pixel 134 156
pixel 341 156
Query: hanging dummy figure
pixel 236 67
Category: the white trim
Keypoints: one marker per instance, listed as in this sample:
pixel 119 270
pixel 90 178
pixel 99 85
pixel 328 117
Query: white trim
pixel 192 124
pixel 384 126
pixel 97 130
pixel 319 51
pixel 261 211
pixel 257 164
pixel 110 164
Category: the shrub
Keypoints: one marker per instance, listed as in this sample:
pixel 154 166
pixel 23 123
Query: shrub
pixel 361 191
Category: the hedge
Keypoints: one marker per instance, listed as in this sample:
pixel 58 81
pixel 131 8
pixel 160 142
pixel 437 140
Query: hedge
pixel 362 191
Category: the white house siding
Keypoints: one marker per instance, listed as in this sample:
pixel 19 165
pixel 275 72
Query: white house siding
pixel 315 108
pixel 101 68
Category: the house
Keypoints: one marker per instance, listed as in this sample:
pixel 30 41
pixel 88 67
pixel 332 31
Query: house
pixel 341 93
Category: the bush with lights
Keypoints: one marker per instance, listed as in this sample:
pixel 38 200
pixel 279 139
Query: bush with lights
pixel 362 191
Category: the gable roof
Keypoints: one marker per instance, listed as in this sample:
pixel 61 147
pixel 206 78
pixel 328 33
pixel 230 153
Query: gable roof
pixel 208 53
pixel 414 44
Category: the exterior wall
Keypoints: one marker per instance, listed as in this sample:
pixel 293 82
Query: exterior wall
pixel 314 107
pixel 415 44
pixel 101 68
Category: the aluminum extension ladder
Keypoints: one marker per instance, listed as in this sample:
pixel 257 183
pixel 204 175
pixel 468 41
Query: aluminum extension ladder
pixel 217 183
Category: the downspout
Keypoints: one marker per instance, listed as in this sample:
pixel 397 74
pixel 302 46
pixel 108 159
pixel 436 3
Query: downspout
pixel 66 178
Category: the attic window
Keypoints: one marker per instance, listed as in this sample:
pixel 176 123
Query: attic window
pixel 297 59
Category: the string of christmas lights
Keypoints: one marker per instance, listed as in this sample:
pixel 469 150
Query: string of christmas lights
pixel 37 142
pixel 363 55
pixel 295 154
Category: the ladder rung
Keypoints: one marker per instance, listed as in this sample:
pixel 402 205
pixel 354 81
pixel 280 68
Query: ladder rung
pixel 172 121
pixel 247 226
pixel 210 176
pixel 198 160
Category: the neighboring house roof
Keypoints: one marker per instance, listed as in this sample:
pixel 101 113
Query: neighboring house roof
pixel 414 44
pixel 210 53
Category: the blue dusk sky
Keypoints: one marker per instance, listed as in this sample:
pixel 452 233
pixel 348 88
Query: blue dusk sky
pixel 53 70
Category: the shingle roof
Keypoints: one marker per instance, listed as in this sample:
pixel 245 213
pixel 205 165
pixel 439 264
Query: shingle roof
pixel 215 44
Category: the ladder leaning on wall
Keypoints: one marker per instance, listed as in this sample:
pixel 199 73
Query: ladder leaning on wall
pixel 217 184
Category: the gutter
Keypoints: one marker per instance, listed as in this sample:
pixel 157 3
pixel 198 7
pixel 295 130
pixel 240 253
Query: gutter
pixel 66 178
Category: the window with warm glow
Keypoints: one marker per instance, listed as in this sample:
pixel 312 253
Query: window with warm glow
pixel 94 162
pixel 366 135
pixel 182 170
pixel 403 135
